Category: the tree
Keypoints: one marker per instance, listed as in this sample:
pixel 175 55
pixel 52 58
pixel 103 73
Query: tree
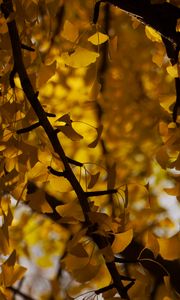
pixel 89 144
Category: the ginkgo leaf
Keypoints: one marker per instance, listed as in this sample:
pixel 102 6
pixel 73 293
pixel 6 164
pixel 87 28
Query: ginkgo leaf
pixel 71 210
pixel 152 244
pixel 11 271
pixel 86 273
pixel 93 180
pixel 153 35
pixel 95 142
pixel 4 244
pixel 98 38
pixel 162 157
pixel 172 71
pixel 80 57
pixel 38 202
pixel 66 119
pixel 45 73
pixel 70 132
pixel 169 247
pixel 78 250
pixel 70 31
pixel 122 240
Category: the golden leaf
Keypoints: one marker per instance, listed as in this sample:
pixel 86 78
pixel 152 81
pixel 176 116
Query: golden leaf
pixel 80 57
pixel 70 31
pixel 98 38
pixel 122 240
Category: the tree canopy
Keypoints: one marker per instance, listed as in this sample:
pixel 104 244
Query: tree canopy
pixel 89 149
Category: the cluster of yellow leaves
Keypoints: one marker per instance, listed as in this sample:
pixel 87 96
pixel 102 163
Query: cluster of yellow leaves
pixel 66 76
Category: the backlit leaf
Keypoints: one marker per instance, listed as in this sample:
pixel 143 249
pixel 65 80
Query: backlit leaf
pixel 98 38
pixel 71 210
pixel 152 243
pixel 80 57
pixel 152 34
pixel 122 240
pixel 70 132
pixel 70 31
pixel 45 73
pixel 95 142
pixel 169 247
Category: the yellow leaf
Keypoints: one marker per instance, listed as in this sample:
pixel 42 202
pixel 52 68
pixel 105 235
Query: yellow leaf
pixel 78 250
pixel 152 243
pixel 172 71
pixel 37 201
pixel 170 248
pixel 70 132
pixel 4 245
pixel 72 209
pixel 45 73
pixel 95 142
pixel 162 157
pixel 86 273
pixel 70 32
pixel 153 35
pixel 98 38
pixel 122 240
pixel 81 57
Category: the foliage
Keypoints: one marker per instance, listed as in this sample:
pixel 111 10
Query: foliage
pixel 89 148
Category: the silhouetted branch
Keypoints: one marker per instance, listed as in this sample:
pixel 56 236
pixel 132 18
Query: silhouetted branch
pixel 29 128
pixel 176 108
pixel 57 173
pixel 104 289
pixel 101 193
pixel 23 295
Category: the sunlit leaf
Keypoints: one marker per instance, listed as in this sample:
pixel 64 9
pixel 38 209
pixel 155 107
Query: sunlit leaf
pixel 95 142
pixel 45 73
pixel 152 34
pixel 70 132
pixel 122 240
pixel 80 57
pixel 152 243
pixel 38 202
pixel 70 31
pixel 98 38
pixel 172 71
pixel 169 248
pixel 71 210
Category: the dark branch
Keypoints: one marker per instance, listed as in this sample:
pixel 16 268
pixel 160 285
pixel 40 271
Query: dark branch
pixel 57 173
pixel 125 261
pixel 29 128
pixel 177 104
pixel 101 193
pixel 11 78
pixel 25 47
pixel 74 162
pixel 104 289
pixel 16 291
